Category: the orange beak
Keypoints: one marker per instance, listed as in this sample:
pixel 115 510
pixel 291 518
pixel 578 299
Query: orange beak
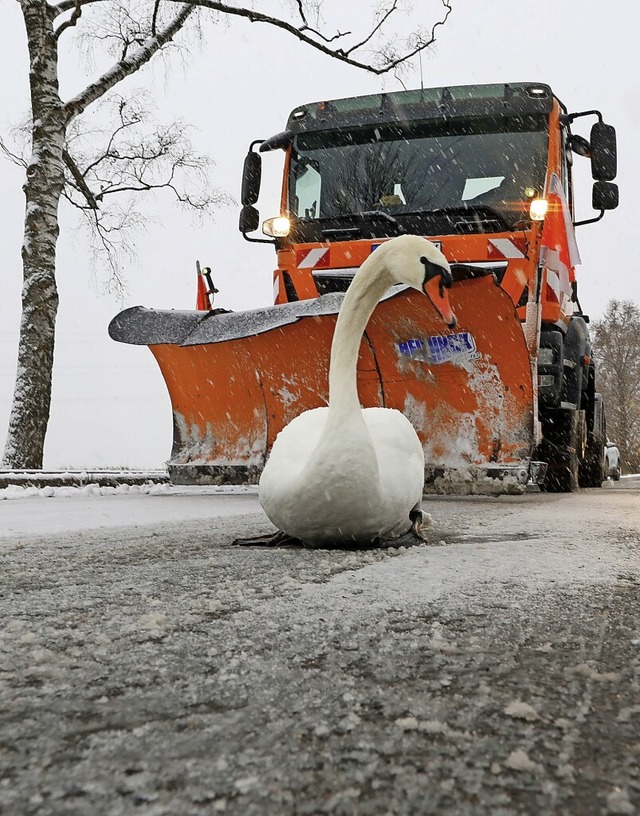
pixel 434 289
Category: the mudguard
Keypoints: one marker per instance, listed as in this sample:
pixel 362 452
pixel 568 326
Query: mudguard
pixel 236 379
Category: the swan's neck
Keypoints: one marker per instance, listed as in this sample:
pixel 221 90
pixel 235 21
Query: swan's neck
pixel 366 289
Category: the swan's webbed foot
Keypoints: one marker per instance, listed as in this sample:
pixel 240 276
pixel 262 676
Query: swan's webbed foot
pixel 414 534
pixel 278 539
pixel 416 518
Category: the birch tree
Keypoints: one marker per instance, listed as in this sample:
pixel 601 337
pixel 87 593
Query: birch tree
pixel 617 352
pixel 59 168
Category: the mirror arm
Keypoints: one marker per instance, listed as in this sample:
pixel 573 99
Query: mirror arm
pixel 567 118
pixel 258 240
pixel 588 220
pixel 280 141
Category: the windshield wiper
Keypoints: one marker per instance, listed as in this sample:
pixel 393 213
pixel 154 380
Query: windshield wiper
pixel 376 215
pixel 369 224
pixel 472 214
pixel 373 224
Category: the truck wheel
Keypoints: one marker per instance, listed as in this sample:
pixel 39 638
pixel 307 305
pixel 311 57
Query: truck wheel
pixel 593 466
pixel 562 447
pixel 591 474
pixel 562 478
pixel 591 471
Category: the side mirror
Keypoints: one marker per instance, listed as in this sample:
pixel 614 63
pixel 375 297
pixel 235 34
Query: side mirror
pixel 249 218
pixel 605 196
pixel 604 162
pixel 251 177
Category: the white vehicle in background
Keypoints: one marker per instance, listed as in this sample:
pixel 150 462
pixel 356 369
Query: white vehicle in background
pixel 611 461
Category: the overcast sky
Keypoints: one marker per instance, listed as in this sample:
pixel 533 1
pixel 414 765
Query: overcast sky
pixel 110 405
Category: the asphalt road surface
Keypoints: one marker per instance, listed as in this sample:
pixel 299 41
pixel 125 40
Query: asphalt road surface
pixel 150 667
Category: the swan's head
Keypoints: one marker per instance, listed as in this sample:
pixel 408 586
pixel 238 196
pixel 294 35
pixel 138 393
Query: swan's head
pixel 417 262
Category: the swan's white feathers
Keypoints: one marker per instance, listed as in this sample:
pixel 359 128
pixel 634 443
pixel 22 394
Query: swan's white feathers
pixel 344 473
pixel 361 487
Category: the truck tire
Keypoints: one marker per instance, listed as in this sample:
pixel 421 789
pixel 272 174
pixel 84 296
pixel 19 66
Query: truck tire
pixel 593 466
pixel 563 450
pixel 591 471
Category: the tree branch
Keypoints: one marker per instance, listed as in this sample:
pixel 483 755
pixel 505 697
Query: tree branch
pixel 154 19
pixel 304 33
pixel 383 19
pixel 339 54
pixel 79 179
pixel 75 16
pixel 129 65
pixel 14 157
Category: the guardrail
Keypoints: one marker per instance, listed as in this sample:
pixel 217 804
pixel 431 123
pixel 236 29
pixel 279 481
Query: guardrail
pixel 80 478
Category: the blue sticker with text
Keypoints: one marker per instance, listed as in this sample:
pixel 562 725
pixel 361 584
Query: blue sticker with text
pixel 439 348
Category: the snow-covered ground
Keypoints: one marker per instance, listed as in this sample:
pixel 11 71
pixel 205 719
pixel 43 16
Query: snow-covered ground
pixel 72 509
pixel 149 666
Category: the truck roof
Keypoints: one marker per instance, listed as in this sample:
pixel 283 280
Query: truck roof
pixel 456 101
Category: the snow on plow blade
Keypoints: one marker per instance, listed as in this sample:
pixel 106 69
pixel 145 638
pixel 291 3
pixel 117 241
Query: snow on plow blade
pixel 236 379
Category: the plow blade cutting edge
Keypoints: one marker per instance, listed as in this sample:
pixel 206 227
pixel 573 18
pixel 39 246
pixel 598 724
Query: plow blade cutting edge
pixel 236 379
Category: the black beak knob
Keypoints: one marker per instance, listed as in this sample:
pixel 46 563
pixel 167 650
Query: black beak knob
pixel 433 269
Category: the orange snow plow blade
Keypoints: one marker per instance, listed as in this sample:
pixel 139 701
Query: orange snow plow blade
pixel 236 379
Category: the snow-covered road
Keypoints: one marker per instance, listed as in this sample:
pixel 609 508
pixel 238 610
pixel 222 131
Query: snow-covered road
pixel 46 511
pixel 147 666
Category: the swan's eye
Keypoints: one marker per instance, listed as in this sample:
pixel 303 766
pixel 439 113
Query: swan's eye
pixel 433 269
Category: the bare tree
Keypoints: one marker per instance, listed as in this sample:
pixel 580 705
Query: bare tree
pixel 63 163
pixel 617 352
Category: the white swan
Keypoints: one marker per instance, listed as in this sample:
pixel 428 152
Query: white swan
pixel 343 473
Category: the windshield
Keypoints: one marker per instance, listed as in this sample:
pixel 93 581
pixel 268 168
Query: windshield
pixel 489 168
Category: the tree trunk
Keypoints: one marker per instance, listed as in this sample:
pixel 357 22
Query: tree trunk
pixel 44 183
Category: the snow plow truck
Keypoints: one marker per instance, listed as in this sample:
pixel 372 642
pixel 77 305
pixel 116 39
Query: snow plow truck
pixel 505 398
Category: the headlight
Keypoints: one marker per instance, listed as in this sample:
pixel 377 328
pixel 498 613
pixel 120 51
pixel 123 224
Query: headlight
pixel 538 209
pixel 278 227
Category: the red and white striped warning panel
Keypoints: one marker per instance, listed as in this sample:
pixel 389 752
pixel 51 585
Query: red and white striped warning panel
pixel 506 248
pixel 312 258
